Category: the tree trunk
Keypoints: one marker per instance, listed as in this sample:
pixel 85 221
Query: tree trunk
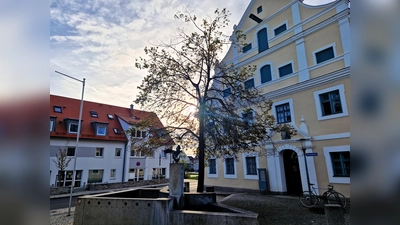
pixel 200 183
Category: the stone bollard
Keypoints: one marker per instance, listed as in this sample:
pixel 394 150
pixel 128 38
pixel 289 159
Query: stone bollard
pixel 334 214
pixel 176 184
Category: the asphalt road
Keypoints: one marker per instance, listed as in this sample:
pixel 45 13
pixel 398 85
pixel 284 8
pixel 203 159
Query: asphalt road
pixel 60 203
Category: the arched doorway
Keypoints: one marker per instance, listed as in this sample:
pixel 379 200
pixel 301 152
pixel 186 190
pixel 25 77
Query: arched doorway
pixel 292 172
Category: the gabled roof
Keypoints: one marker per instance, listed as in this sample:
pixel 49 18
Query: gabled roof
pixel 70 110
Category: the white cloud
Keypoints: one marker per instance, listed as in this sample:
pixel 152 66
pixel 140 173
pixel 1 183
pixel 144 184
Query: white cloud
pixel 100 39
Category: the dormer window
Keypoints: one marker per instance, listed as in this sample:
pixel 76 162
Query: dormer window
pixel 100 128
pixel 52 123
pixel 71 125
pixel 111 117
pixel 57 109
pixel 94 114
pixel 73 128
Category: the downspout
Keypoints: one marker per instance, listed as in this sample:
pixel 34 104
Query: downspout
pixel 123 164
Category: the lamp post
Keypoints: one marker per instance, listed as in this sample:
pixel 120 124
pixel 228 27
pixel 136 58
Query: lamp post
pixel 304 148
pixel 77 139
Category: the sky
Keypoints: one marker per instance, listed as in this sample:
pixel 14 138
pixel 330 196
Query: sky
pixel 99 40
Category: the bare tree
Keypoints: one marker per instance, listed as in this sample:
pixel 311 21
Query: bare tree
pixel 214 111
pixel 62 160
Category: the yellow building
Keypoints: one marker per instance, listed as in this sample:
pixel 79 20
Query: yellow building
pixel 302 54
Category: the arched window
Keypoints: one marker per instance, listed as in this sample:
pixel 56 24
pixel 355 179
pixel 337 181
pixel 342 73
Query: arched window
pixel 262 38
pixel 265 72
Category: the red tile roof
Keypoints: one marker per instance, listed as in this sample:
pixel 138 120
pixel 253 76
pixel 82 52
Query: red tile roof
pixel 70 110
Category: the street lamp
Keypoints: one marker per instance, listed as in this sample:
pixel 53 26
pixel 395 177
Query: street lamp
pixel 77 139
pixel 304 148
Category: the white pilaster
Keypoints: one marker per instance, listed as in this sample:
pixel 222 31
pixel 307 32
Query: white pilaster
pixel 344 27
pixel 302 60
pixel 296 18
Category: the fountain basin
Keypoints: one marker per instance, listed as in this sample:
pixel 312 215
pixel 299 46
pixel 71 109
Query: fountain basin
pixel 151 206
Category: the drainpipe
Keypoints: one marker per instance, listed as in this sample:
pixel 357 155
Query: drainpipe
pixel 123 163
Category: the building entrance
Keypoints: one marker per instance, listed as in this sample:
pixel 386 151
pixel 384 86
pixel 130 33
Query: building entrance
pixel 292 172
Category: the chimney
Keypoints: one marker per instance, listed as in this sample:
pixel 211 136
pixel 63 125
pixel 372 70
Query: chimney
pixel 131 107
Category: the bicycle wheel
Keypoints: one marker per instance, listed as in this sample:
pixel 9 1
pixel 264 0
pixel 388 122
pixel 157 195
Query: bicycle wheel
pixel 337 198
pixel 308 200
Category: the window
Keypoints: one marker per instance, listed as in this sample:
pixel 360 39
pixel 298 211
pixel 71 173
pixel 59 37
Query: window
pixel 111 117
pixel 230 166
pixel 212 166
pixel 262 38
pixel 247 117
pixel 73 128
pixel 259 9
pixel 324 55
pixel 227 92
pixel 163 154
pixel 266 74
pixel 101 130
pixel 251 167
pixel 249 83
pixel 280 29
pixel 133 152
pixel 57 109
pixel 340 164
pixel 116 131
pixel 212 171
pixel 71 151
pixel 250 164
pixel 112 173
pixel 283 113
pixel 53 121
pixel 246 48
pixel 285 70
pixel 337 159
pixel 99 152
pixel 331 102
pixel 118 152
pixel 94 114
pixel 95 176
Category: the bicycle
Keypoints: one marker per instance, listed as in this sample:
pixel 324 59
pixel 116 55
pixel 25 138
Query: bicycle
pixel 310 199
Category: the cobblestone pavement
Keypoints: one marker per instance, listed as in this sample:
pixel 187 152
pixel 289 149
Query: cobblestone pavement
pixel 59 217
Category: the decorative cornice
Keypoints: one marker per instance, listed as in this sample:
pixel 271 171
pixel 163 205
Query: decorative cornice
pixel 324 79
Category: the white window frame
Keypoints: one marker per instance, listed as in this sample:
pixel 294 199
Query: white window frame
pixel 333 45
pixel 287 28
pixel 244 156
pixel 51 125
pixel 69 127
pixel 111 173
pixel 230 176
pixel 329 166
pixel 101 134
pixel 120 152
pixel 290 101
pixel 272 72
pixel 101 152
pixel 285 64
pixel 345 112
pixel 216 169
